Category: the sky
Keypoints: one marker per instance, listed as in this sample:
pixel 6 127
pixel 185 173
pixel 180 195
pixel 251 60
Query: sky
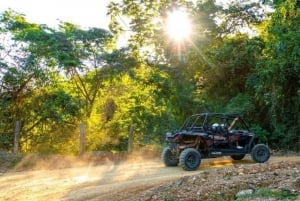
pixel 85 13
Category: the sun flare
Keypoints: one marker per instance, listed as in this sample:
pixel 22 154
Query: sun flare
pixel 178 25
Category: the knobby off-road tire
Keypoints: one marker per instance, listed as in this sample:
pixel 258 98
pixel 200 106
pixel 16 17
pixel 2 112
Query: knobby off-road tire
pixel 260 153
pixel 190 159
pixel 169 158
pixel 238 157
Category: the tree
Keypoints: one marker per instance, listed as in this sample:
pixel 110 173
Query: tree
pixel 277 75
pixel 52 79
pixel 21 72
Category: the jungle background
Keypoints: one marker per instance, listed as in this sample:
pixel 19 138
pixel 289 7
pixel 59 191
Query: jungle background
pixel 242 58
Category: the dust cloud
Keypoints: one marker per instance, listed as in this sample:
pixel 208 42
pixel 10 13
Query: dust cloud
pixel 94 176
pixel 50 162
pixel 57 177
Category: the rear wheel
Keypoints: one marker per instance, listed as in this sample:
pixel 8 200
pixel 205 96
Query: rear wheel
pixel 237 157
pixel 169 158
pixel 190 159
pixel 260 153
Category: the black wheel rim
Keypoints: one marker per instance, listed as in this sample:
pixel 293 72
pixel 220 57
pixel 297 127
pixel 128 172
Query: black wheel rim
pixel 192 161
pixel 261 154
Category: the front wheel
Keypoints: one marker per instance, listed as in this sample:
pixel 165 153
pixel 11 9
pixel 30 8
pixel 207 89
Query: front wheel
pixel 260 153
pixel 190 159
pixel 169 157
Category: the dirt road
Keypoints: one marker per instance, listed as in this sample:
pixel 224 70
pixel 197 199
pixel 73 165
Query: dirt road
pixel 104 182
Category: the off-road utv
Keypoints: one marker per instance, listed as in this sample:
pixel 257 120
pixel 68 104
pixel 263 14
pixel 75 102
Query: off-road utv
pixel 209 135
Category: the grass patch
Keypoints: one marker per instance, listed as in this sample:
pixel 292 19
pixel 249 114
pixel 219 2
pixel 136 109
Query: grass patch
pixel 284 194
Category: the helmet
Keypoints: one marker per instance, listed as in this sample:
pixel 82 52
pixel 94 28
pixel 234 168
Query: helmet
pixel 216 127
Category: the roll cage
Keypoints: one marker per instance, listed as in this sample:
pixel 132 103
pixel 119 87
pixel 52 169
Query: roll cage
pixel 205 121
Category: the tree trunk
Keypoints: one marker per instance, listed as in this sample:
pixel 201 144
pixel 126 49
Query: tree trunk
pixel 130 139
pixel 82 139
pixel 17 136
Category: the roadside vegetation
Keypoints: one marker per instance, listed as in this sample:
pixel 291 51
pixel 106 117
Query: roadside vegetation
pixel 54 79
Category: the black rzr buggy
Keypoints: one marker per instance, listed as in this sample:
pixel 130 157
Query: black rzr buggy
pixel 209 135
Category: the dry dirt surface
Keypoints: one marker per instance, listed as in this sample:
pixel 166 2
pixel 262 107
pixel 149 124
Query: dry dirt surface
pixel 138 179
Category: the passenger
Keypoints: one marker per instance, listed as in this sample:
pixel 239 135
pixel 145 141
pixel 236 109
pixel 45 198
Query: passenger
pixel 218 134
pixel 235 137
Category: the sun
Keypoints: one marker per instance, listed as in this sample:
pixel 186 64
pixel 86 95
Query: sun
pixel 178 25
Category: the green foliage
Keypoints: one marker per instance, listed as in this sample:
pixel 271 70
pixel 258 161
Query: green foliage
pixel 276 79
pixel 240 104
pixel 52 80
pixel 137 99
pixel 6 140
pixel 56 105
pixel 263 135
pixel 225 80
pixel 239 18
